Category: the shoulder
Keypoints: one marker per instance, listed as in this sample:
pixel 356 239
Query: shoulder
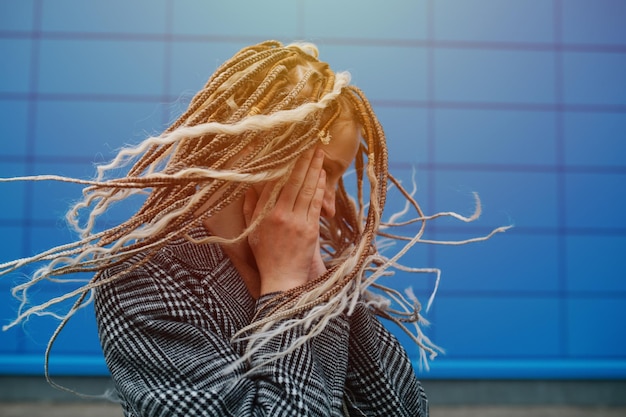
pixel 184 281
pixel 175 275
pixel 148 287
pixel 182 262
pixel 374 341
pixel 380 370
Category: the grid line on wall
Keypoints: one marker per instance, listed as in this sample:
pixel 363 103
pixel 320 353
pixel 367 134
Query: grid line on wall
pixel 167 61
pixel 560 183
pixel 431 181
pixel 435 104
pixel 31 119
pixel 339 41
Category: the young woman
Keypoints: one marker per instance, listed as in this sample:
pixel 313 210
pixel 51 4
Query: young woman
pixel 241 285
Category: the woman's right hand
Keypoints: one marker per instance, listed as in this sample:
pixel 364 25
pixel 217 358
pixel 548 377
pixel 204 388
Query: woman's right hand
pixel 286 242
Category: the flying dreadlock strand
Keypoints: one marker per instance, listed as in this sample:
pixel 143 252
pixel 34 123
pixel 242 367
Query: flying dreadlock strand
pixel 237 63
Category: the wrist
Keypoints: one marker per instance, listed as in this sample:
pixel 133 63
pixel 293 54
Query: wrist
pixel 280 283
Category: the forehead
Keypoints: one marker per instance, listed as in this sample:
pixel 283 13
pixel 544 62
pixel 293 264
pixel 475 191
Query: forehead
pixel 344 142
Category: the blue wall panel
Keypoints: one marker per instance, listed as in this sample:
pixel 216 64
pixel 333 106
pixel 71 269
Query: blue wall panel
pixel 523 102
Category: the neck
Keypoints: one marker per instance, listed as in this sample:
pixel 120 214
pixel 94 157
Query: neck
pixel 229 223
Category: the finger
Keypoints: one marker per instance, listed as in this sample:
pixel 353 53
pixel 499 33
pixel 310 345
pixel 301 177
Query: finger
pixel 291 189
pixel 263 198
pixel 315 207
pixel 310 185
pixel 249 205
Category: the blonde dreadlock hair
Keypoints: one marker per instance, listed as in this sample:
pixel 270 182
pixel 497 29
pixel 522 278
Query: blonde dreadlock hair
pixel 251 121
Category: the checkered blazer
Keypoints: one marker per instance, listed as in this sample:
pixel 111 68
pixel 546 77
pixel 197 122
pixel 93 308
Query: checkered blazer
pixel 166 327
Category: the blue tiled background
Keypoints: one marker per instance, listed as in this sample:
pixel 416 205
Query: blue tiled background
pixel 523 102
